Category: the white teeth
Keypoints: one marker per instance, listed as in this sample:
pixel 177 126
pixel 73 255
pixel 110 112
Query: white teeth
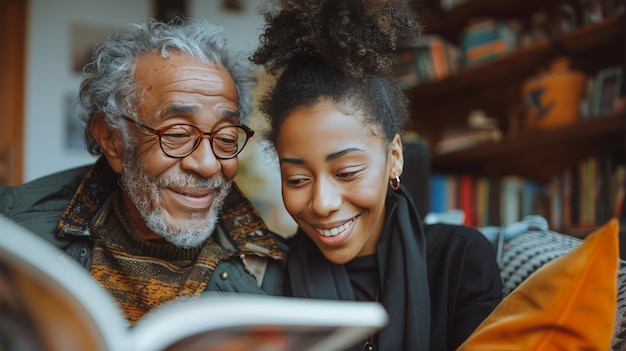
pixel 334 231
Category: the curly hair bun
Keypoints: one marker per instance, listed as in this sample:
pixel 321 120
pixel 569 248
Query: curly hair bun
pixel 355 36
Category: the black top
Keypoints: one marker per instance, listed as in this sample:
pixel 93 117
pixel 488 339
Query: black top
pixel 437 282
pixel 464 283
pixel 452 252
pixel 363 274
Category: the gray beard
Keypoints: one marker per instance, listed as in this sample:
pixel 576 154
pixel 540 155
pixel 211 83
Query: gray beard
pixel 186 235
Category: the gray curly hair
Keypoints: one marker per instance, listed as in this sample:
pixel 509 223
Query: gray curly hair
pixel 109 88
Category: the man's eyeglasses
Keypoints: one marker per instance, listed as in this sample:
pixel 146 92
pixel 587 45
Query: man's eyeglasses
pixel 180 140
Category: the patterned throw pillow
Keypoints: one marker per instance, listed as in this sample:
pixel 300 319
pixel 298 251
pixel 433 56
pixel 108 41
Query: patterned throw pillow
pixel 532 249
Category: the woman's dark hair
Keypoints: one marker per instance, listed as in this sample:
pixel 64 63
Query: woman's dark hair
pixel 340 51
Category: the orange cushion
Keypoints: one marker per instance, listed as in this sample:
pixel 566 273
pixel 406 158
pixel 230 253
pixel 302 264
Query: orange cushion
pixel 568 304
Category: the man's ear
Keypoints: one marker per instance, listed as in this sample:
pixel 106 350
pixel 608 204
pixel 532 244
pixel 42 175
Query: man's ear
pixel 397 156
pixel 109 140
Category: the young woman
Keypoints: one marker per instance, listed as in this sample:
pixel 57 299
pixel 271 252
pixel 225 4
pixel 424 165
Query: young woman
pixel 336 121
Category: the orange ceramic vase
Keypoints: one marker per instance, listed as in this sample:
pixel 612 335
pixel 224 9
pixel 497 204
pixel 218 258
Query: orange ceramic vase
pixel 553 98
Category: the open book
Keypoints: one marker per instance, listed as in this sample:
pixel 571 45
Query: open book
pixel 49 302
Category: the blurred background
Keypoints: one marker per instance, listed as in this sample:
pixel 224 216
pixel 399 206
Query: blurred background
pixel 518 107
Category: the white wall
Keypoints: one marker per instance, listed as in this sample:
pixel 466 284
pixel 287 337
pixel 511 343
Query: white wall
pixel 50 80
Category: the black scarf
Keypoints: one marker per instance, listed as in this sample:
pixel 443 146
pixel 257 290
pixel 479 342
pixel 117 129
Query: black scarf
pixel 401 255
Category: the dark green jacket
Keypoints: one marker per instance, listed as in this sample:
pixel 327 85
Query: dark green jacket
pixel 60 207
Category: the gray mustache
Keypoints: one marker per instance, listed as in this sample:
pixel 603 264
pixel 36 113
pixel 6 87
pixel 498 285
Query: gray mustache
pixel 189 181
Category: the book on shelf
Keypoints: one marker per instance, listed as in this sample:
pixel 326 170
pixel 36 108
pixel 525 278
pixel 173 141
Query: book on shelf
pixel 607 167
pixel 568 198
pixel 554 191
pixel 494 202
pixel 588 190
pixel 487 51
pixel 429 59
pixel 587 98
pixel 438 55
pixel 438 193
pixel 452 191
pixel 486 40
pixel 50 302
pixel 510 199
pixel 532 195
pixel 467 197
pixel 618 181
pixel 482 201
pixel 608 88
pixel 424 65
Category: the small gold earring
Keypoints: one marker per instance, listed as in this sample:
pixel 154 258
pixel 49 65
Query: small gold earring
pixel 395 183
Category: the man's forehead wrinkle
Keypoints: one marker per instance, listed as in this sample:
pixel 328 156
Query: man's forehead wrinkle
pixel 213 86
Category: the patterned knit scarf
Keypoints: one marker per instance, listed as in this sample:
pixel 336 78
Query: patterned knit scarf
pixel 141 275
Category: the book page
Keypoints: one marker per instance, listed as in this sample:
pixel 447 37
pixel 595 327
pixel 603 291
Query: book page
pixel 232 321
pixel 49 302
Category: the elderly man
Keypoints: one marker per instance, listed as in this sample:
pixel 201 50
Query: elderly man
pixel 158 216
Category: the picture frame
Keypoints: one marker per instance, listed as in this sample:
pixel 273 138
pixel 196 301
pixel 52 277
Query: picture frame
pixel 74 126
pixel 83 40
pixel 607 88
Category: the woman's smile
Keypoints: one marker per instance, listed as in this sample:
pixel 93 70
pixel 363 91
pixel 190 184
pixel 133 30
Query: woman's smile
pixel 334 231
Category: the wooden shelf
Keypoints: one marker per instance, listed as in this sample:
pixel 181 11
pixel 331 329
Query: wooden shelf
pixel 525 60
pixel 538 155
pixel 496 87
pixel 608 33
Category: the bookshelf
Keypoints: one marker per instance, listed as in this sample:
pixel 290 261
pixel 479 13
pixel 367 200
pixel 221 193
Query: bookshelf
pixel 607 34
pixel 538 155
pixel 495 87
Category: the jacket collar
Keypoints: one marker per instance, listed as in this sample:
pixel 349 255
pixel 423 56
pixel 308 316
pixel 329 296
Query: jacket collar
pixel 239 219
pixel 95 188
